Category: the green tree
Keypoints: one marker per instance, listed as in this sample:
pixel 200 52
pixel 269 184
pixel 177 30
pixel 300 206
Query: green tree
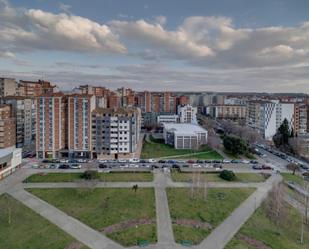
pixel 235 144
pixel 283 134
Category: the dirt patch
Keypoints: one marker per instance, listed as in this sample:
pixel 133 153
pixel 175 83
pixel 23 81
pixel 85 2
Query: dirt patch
pixel 127 224
pixel 75 245
pixel 193 223
pixel 252 242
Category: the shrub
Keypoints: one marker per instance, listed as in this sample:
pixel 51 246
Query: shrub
pixel 227 175
pixel 90 175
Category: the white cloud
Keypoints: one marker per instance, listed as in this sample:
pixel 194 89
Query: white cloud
pixel 175 43
pixel 23 30
pixel 161 20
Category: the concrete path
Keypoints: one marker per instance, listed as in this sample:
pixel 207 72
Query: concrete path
pixel 230 226
pixel 85 185
pixel 164 223
pixel 72 226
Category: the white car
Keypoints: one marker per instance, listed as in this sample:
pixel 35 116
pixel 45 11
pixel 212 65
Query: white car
pixel 226 161
pixel 102 161
pixel 122 160
pixel 245 161
pixel 196 166
pixel 64 160
pixel 75 166
pixel 151 160
pixel 35 166
pixel 132 165
pixel 134 160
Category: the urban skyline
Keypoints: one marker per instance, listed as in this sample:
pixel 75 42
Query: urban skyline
pixel 224 46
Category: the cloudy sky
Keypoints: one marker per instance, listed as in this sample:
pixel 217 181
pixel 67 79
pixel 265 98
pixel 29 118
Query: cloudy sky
pixel 196 45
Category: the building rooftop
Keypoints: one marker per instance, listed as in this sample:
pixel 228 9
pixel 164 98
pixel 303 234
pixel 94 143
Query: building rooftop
pixel 184 128
pixel 114 111
pixel 6 151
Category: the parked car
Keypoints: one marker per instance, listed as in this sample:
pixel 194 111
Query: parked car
pixel 122 160
pixel 103 166
pixel 75 166
pixel 266 167
pixel 254 162
pixel 64 166
pixel 161 161
pixel 46 161
pixel 257 167
pixel 143 161
pixel 35 166
pixel 64 160
pixel 200 161
pixel 190 161
pixel 195 165
pixel 134 160
pixel 226 161
pixel 102 161
pixel 151 160
pixel 171 161
pixel 175 166
pixel 53 166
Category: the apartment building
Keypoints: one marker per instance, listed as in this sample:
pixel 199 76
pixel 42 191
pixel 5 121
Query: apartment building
pixel 187 114
pixel 7 127
pixel 24 109
pixel 79 108
pixel 8 87
pixel 115 132
pixel 50 125
pixel 35 88
pixel 227 111
pixel 267 116
pixel 301 119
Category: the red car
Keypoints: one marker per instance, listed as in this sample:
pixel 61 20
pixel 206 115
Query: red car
pixel 266 167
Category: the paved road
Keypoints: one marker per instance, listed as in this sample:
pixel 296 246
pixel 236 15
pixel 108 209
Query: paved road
pixel 226 230
pixel 72 226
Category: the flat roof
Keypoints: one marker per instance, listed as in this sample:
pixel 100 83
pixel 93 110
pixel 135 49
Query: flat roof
pixel 6 151
pixel 184 128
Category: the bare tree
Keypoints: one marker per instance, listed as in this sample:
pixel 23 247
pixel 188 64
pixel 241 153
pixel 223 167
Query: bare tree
pixel 275 208
pixel 293 167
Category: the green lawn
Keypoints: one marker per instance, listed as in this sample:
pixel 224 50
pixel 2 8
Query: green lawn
pixel 157 149
pixel 100 208
pixel 218 205
pixel 260 228
pixel 289 177
pixel 27 229
pixel 108 177
pixel 214 177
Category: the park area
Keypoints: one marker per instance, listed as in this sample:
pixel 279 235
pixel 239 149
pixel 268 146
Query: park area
pixel 195 213
pixel 261 232
pixel 104 177
pixel 23 228
pixel 215 177
pixel 125 215
pixel 156 148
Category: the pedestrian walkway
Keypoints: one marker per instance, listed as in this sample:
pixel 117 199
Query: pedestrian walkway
pixel 164 222
pixel 230 226
pixel 72 226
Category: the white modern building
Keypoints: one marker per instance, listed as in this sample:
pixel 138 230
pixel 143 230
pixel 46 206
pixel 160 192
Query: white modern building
pixel 267 116
pixel 10 160
pixel 184 136
pixel 167 118
pixel 187 114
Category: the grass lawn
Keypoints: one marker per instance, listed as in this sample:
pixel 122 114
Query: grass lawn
pixel 208 154
pixel 28 230
pixel 157 149
pixel 101 208
pixel 289 177
pixel 108 177
pixel 214 177
pixel 260 228
pixel 219 204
